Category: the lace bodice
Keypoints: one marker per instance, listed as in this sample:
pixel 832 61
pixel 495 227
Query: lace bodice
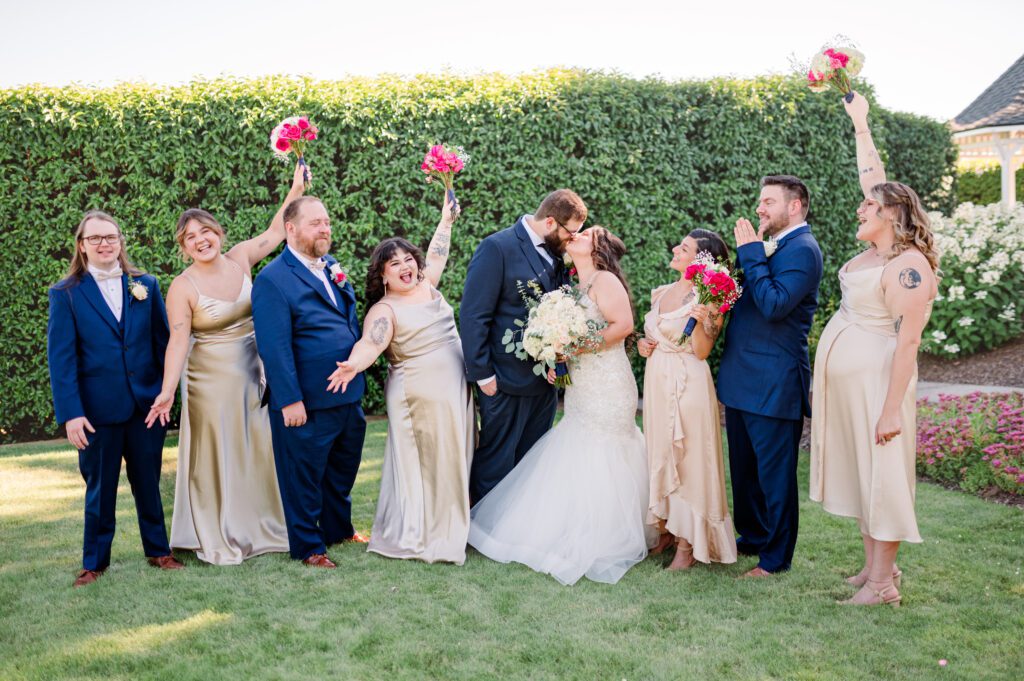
pixel 603 393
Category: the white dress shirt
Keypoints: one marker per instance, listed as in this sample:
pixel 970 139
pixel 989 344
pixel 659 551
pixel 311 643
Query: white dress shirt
pixel 785 232
pixel 319 273
pixel 110 287
pixel 538 241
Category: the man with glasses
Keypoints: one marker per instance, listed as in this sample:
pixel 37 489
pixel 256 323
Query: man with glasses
pixel 516 406
pixel 106 341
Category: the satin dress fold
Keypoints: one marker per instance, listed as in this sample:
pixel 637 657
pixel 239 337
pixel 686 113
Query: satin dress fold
pixel 684 440
pixel 227 506
pixel 423 508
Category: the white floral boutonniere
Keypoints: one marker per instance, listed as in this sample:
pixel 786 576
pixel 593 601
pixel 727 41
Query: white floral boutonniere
pixel 138 290
pixel 338 275
pixel 770 244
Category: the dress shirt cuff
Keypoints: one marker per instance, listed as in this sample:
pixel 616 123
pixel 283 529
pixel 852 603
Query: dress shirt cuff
pixel 485 381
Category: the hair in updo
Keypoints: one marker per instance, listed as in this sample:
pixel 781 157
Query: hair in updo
pixel 379 259
pixel 712 243
pixel 910 221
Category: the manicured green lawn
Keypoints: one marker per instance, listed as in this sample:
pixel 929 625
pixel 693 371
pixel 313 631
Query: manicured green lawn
pixel 374 618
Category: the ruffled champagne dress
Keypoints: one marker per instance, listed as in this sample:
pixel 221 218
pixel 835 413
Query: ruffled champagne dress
pixel 850 474
pixel 423 509
pixel 684 440
pixel 227 505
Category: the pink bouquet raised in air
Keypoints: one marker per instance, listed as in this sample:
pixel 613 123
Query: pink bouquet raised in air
pixel 833 68
pixel 442 163
pixel 291 136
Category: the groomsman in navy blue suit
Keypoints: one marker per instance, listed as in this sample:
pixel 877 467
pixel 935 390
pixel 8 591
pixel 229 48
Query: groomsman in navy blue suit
pixel 305 319
pixel 516 406
pixel 105 344
pixel 765 375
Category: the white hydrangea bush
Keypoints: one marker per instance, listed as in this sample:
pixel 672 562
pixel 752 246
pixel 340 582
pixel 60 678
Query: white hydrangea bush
pixel 980 296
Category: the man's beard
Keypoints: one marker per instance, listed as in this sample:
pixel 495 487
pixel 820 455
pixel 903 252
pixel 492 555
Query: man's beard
pixel 554 244
pixel 775 224
pixel 309 247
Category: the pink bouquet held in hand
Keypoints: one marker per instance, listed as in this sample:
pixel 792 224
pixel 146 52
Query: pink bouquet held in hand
pixel 442 163
pixel 714 285
pixel 834 67
pixel 291 136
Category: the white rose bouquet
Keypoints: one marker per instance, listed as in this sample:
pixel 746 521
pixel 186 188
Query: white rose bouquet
pixel 556 327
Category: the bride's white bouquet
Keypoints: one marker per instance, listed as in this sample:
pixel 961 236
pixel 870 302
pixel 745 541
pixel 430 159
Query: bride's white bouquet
pixel 556 327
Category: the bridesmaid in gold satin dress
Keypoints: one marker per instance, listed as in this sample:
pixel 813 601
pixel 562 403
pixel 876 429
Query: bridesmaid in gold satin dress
pixel 423 508
pixel 863 432
pixel 682 428
pixel 227 506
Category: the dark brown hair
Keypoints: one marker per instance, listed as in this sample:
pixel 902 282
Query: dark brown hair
pixel 564 205
pixel 379 259
pixel 712 243
pixel 79 263
pixel 607 252
pixel 910 221
pixel 202 217
pixel 794 189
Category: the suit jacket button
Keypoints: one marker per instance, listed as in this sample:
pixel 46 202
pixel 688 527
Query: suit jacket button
pixel 126 347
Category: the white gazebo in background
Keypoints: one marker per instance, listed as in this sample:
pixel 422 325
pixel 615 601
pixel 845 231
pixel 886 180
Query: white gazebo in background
pixel 992 128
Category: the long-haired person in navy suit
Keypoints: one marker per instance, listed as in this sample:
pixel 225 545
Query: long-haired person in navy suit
pixel 304 312
pixel 765 376
pixel 105 343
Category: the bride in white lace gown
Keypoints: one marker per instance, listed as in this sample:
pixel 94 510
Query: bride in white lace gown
pixel 574 506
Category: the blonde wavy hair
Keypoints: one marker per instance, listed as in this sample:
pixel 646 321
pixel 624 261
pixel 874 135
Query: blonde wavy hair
pixel 909 220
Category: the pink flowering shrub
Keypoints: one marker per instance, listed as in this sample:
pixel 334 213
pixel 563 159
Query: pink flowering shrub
pixel 975 441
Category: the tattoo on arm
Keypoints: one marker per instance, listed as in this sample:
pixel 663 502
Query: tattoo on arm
pixel 264 243
pixel 910 278
pixel 379 330
pixel 179 325
pixel 899 322
pixel 865 171
pixel 439 244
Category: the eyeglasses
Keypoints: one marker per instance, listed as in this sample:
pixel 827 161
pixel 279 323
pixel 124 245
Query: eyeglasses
pixel 571 234
pixel 97 239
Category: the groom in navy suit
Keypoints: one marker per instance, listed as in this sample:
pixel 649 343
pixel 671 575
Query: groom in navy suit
pixel 765 374
pixel 105 343
pixel 516 406
pixel 304 311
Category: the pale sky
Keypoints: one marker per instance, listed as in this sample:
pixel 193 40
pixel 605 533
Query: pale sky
pixel 930 57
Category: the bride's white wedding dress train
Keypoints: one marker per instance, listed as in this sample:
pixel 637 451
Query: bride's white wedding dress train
pixel 575 504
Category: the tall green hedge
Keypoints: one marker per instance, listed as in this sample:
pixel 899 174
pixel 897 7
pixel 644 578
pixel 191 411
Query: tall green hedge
pixel 984 186
pixel 652 159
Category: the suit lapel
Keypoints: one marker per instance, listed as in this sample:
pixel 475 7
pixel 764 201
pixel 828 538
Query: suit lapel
pixel 127 304
pixel 308 278
pixel 91 291
pixel 537 264
pixel 795 232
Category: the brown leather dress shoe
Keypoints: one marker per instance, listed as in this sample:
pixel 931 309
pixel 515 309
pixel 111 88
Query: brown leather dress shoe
pixel 168 562
pixel 319 560
pixel 358 539
pixel 757 571
pixel 87 577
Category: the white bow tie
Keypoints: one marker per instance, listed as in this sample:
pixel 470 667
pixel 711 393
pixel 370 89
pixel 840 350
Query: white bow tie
pixel 100 275
pixel 318 265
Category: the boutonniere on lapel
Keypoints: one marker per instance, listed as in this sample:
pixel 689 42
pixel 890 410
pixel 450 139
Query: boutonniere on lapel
pixel 770 245
pixel 338 275
pixel 567 261
pixel 138 290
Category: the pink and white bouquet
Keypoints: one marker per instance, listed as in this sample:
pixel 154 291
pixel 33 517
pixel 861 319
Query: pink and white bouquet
pixel 556 327
pixel 834 67
pixel 714 285
pixel 291 136
pixel 442 163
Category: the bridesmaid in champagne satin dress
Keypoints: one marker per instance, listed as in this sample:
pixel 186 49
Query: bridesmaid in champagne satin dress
pixel 423 508
pixel 682 427
pixel 227 505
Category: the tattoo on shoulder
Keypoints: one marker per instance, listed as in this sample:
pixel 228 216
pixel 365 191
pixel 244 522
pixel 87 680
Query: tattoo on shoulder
pixel 379 330
pixel 910 278
pixel 899 322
